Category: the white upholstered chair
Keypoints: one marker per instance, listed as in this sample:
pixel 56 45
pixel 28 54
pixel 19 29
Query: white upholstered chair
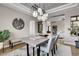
pixel 55 43
pixel 51 46
pixel 47 47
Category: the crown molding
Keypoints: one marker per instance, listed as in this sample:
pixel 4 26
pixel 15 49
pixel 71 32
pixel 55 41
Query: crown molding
pixel 59 18
pixel 19 7
pixel 28 11
pixel 63 7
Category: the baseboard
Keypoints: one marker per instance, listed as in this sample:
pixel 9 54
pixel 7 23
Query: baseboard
pixel 70 43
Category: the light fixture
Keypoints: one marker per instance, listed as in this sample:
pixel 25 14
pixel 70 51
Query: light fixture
pixel 39 13
pixel 39 18
pixel 35 14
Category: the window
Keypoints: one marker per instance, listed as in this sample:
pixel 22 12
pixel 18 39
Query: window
pixel 75 24
pixel 73 18
pixel 78 18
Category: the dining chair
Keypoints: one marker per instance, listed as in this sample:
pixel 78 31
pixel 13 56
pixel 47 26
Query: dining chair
pixel 47 48
pixel 55 42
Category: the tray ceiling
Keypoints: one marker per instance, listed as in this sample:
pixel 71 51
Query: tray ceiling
pixel 45 6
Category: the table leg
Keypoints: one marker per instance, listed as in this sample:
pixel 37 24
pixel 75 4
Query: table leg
pixel 38 51
pixel 28 50
pixel 33 51
pixel 47 54
pixel 3 47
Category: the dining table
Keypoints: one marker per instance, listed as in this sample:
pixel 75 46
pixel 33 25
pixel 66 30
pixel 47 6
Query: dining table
pixel 34 41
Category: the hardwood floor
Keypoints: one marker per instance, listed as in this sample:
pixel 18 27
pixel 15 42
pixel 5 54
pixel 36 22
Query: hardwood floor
pixel 8 49
pixel 75 51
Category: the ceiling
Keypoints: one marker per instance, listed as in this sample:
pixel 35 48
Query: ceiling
pixel 46 6
pixel 53 9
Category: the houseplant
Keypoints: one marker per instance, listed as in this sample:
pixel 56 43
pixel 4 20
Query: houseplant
pixel 77 35
pixel 72 31
pixel 4 35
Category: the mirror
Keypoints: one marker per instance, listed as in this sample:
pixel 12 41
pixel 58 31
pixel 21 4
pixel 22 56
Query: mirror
pixel 18 23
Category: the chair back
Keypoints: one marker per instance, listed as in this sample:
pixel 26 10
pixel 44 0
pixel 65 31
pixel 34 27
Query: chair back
pixel 50 43
pixel 56 38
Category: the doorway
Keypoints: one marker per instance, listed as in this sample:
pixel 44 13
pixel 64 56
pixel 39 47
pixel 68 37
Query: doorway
pixel 54 29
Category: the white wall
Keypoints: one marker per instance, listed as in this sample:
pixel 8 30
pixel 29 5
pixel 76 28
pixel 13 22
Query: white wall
pixel 66 24
pixel 67 14
pixel 45 26
pixel 32 27
pixel 60 25
pixel 6 17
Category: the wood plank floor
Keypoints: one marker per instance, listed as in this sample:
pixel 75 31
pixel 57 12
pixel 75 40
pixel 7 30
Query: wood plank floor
pixel 75 51
pixel 7 49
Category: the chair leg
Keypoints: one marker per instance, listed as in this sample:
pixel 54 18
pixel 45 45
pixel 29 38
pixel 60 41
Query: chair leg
pixel 47 54
pixel 33 51
pixel 52 52
pixel 56 46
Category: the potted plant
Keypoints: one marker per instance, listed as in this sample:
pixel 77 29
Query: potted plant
pixel 77 41
pixel 4 35
pixel 72 31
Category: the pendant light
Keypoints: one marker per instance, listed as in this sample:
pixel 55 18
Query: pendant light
pixel 35 14
pixel 45 15
pixel 39 18
pixel 39 12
